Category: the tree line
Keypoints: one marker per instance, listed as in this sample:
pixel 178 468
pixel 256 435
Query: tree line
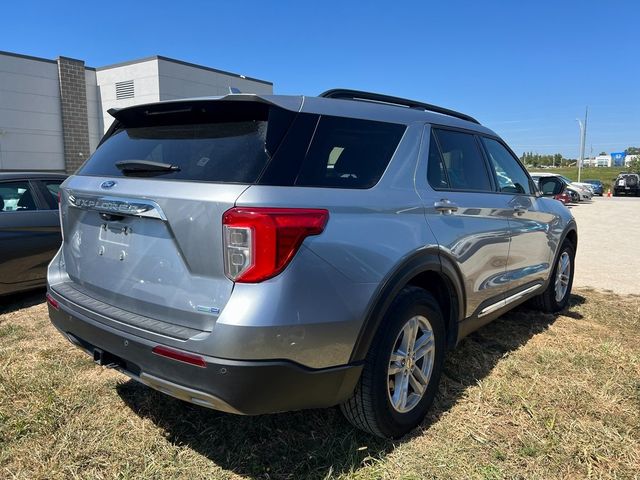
pixel 557 160
pixel 537 160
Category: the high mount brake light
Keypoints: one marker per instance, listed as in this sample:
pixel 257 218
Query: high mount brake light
pixel 260 242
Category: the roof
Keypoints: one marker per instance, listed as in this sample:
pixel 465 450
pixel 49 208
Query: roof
pixel 30 175
pixel 139 60
pixel 181 62
pixel 335 107
pixel 40 59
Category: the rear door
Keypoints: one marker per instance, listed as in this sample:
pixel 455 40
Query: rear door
pixel 468 219
pixel 29 235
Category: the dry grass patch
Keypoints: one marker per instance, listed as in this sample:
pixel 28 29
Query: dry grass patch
pixel 529 396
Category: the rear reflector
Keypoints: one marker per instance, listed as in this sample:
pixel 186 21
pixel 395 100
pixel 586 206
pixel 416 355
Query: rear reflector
pixel 53 302
pixel 180 356
pixel 260 242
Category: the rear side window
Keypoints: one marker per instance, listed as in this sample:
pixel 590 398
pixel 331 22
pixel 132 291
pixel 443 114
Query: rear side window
pixel 16 197
pixel 348 153
pixel 52 187
pixel 436 173
pixel 465 167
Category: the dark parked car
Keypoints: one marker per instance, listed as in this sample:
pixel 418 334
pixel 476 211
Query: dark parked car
pixel 626 184
pixel 29 228
pixel 598 188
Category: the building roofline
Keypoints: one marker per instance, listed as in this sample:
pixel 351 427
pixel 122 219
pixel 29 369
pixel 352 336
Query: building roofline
pixel 62 57
pixel 39 59
pixel 181 62
pixel 27 57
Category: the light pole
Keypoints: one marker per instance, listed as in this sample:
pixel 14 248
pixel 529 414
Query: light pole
pixel 583 137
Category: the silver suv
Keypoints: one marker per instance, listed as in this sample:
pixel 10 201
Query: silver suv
pixel 257 254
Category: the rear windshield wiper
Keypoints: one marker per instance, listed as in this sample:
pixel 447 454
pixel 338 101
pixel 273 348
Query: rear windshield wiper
pixel 134 167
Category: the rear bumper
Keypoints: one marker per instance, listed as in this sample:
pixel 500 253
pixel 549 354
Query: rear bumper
pixel 626 191
pixel 242 387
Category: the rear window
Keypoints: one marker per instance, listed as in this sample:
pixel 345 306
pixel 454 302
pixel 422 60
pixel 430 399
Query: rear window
pixel 214 152
pixel 251 143
pixel 221 143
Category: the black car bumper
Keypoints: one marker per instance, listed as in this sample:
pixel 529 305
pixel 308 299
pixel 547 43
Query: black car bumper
pixel 242 387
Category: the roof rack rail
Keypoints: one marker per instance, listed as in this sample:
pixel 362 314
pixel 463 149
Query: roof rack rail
pixel 346 94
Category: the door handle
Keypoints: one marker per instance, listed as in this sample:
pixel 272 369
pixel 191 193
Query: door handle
pixel 446 207
pixel 520 210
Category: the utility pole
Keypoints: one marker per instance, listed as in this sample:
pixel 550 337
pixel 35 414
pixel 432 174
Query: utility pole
pixel 583 137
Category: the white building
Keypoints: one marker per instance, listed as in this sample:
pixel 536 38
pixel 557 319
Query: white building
pixel 53 112
pixel 602 161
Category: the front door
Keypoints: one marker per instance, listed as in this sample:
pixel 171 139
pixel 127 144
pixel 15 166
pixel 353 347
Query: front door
pixel 531 228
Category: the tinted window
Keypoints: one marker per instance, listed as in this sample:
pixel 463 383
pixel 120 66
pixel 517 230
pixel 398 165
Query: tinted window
pixel 52 187
pixel 248 142
pixel 463 161
pixel 549 185
pixel 510 175
pixel 435 169
pixel 220 142
pixel 16 196
pixel 348 153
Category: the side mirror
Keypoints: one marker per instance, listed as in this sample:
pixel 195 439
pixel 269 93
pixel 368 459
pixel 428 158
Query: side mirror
pixel 550 187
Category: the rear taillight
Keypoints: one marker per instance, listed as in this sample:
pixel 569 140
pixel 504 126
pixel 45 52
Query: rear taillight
pixel 52 301
pixel 260 242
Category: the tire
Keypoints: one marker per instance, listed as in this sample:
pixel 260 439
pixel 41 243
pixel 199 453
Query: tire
pixel 371 408
pixel 550 301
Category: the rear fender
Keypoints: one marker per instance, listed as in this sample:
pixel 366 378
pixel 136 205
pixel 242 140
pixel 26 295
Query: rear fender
pixel 428 260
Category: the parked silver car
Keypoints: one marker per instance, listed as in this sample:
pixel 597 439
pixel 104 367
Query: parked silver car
pixel 258 254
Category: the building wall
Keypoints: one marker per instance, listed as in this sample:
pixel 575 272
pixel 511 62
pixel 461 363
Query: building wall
pixel 30 115
pixel 36 94
pixel 75 120
pixel 94 109
pixel 178 80
pixel 146 86
pixel 603 161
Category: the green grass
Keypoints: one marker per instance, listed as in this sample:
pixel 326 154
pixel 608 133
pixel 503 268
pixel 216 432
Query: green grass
pixel 605 174
pixel 530 396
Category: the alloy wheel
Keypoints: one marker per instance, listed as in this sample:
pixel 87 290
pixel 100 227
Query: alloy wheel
pixel 411 364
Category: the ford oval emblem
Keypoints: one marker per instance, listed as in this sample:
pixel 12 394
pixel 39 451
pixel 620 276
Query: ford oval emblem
pixel 108 184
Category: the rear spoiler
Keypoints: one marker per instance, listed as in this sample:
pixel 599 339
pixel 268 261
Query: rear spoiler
pixel 293 103
pixel 196 105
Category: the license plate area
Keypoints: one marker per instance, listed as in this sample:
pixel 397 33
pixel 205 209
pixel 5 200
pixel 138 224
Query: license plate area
pixel 114 239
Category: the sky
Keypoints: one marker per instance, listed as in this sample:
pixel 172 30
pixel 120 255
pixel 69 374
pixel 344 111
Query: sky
pixel 526 69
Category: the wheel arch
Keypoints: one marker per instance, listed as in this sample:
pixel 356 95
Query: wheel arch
pixel 429 269
pixel 571 234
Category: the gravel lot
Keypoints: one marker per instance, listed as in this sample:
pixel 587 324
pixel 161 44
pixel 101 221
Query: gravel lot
pixel 608 256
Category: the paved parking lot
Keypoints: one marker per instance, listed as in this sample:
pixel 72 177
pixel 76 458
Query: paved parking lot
pixel 608 255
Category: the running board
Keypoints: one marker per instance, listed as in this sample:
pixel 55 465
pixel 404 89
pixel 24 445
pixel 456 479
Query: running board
pixel 503 303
